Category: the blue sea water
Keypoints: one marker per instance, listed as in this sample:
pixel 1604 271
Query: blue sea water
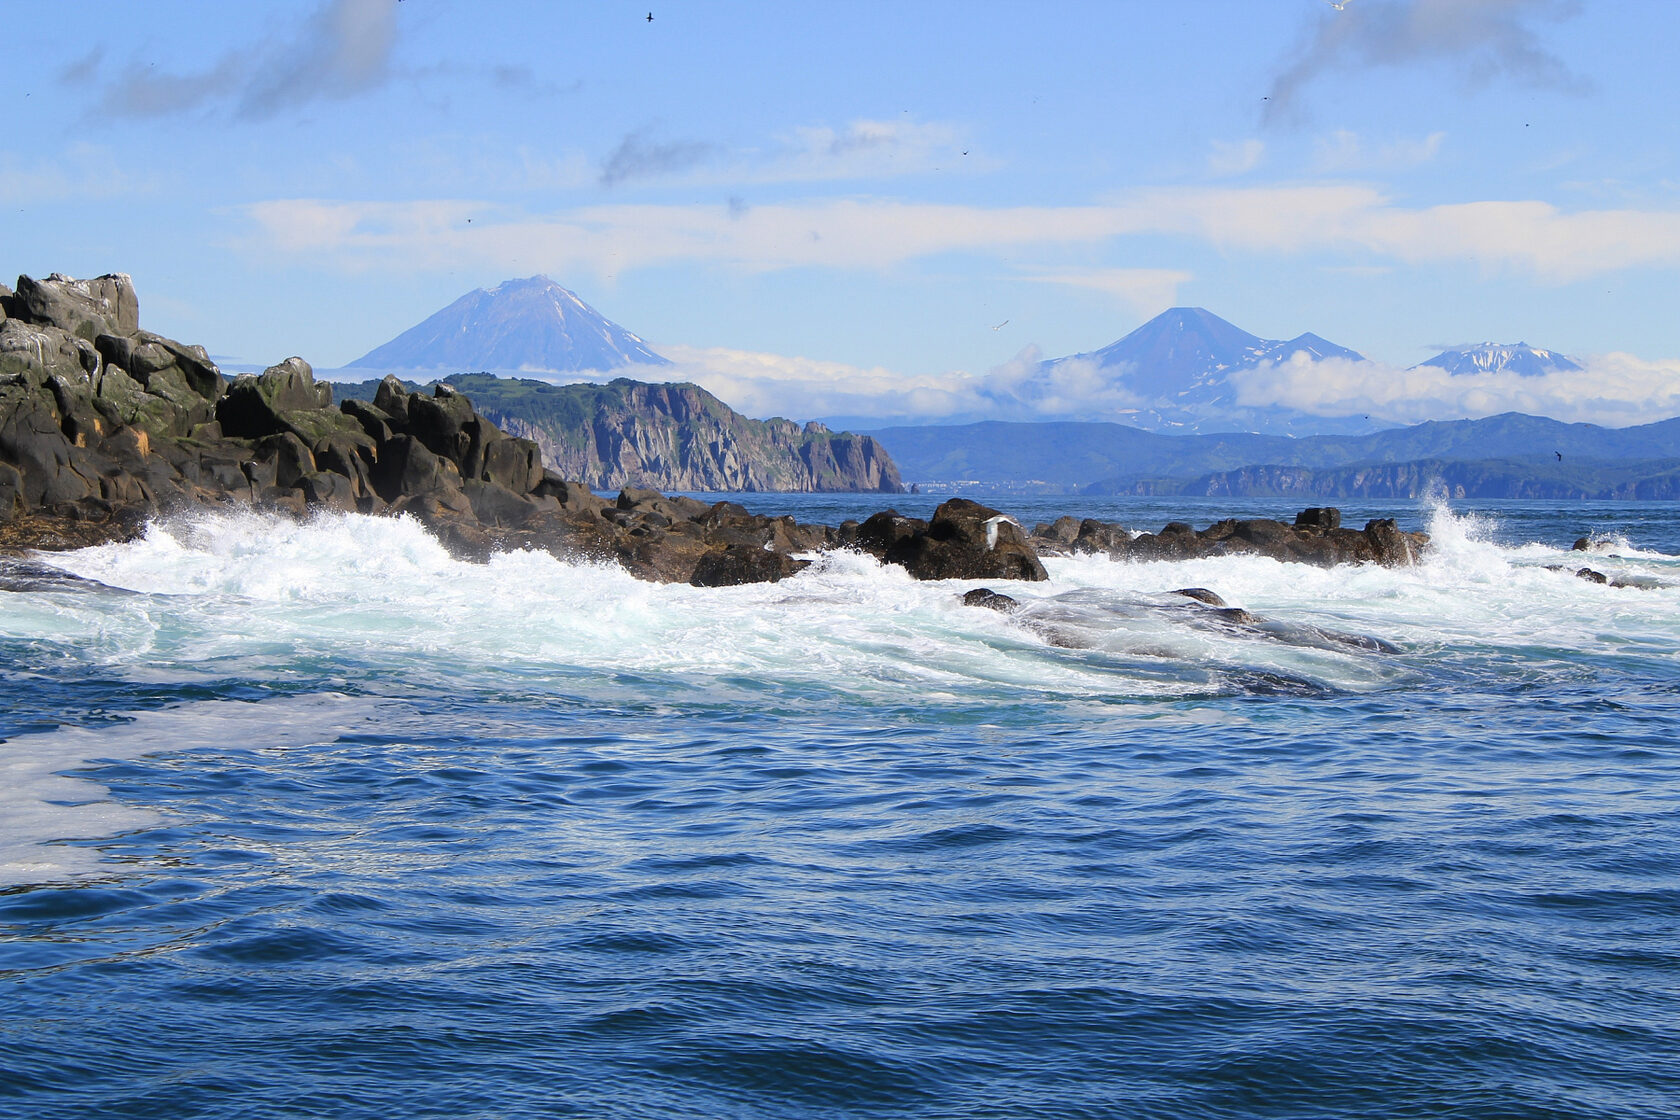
pixel 316 821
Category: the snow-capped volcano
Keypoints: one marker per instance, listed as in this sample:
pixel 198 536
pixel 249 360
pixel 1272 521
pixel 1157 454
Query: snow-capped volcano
pixel 1183 356
pixel 1177 369
pixel 532 325
pixel 1493 357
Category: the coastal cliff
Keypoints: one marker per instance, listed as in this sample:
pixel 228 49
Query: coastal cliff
pixel 676 437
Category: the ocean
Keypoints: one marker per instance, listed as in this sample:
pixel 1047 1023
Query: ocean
pixel 312 820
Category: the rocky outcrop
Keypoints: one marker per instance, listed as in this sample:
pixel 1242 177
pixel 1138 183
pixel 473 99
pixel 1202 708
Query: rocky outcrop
pixel 677 437
pixel 1316 537
pixel 103 424
pixel 964 540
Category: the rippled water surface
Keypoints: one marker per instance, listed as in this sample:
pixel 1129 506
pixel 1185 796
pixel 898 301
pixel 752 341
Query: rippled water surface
pixel 316 821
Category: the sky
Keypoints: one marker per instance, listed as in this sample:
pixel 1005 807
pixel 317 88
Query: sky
pixel 880 208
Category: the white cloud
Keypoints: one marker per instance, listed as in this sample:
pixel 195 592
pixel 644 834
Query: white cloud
pixel 761 384
pixel 83 171
pixel 867 233
pixel 1145 291
pixel 1233 157
pixel 864 148
pixel 1344 150
pixel 1614 390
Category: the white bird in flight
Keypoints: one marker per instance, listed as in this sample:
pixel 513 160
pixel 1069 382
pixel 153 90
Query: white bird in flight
pixel 1339 5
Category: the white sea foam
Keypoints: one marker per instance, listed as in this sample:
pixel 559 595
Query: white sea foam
pixel 221 594
pixel 41 805
pixel 378 605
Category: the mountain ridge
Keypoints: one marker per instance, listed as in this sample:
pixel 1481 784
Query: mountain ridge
pixel 1078 454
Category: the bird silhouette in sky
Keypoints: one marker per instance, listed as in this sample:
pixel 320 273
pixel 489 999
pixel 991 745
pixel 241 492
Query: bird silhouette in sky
pixel 1001 325
pixel 1559 454
pixel 650 17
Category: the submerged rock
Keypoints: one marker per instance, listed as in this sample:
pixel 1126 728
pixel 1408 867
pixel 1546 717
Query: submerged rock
pixel 991 600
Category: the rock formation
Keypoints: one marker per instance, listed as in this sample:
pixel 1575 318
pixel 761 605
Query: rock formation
pixel 103 424
pixel 676 437
pixel 1316 537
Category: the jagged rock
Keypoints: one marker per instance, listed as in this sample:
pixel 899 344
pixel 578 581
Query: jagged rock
pixel 1059 534
pixel 84 308
pixel 350 454
pixel 495 504
pixel 143 354
pixel 1201 595
pixel 291 457
pixel 572 496
pixel 513 463
pixel 34 353
pixel 407 467
pixel 447 425
pixel 1316 537
pixel 964 540
pixel 329 490
pixel 1591 576
pixel 1322 518
pixel 1389 546
pixel 51 468
pixel 377 424
pixel 11 487
pixel 738 564
pixel 282 398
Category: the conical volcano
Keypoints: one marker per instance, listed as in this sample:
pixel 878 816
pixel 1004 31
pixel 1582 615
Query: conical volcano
pixel 526 326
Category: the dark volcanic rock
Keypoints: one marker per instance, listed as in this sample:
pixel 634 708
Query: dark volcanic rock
pixel 991 600
pixel 1316 537
pixel 83 308
pixel 964 540
pixel 736 564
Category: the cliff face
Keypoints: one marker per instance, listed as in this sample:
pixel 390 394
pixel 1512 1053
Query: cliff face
pixel 676 437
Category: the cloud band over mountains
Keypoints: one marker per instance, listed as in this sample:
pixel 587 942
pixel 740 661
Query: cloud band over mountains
pixel 1358 221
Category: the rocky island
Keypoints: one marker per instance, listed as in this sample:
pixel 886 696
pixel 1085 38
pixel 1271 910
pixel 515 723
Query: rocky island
pixel 104 425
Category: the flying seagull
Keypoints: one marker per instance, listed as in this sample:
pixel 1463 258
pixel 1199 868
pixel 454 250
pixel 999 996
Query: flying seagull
pixel 1559 454
pixel 1001 325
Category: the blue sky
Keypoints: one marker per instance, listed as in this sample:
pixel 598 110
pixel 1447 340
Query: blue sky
pixel 814 206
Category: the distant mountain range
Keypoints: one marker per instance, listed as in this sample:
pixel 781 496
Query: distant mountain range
pixel 1117 458
pixel 1178 368
pixel 1172 374
pixel 519 326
